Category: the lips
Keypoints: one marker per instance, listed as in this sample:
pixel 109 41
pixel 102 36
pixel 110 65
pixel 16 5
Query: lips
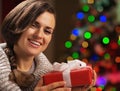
pixel 35 43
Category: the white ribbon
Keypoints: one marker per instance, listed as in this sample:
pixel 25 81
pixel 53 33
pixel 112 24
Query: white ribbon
pixel 66 67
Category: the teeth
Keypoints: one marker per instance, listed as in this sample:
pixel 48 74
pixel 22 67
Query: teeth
pixel 36 43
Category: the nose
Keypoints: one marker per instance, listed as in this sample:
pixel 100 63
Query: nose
pixel 40 33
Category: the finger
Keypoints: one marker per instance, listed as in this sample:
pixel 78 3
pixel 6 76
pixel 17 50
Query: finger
pixel 94 77
pixel 56 85
pixel 62 89
pixel 40 83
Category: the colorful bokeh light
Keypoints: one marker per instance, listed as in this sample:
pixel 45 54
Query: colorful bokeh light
pixel 91 18
pixel 105 40
pixel 87 35
pixel 103 18
pixel 106 56
pixel 80 15
pixel 75 55
pixel 68 44
pixel 84 44
pixel 118 42
pixel 85 8
pixel 101 81
pixel 75 32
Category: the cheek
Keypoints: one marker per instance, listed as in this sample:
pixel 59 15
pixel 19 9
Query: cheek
pixel 47 41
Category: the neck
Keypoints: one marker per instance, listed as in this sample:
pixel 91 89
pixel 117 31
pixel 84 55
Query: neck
pixel 23 61
pixel 24 64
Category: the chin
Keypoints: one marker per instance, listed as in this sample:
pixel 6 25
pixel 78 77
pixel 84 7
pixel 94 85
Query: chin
pixel 32 53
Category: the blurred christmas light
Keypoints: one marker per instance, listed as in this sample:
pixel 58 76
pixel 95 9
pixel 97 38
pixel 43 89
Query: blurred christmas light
pixel 80 15
pixel 117 59
pixel 103 18
pixel 90 1
pixel 69 58
pixel 93 89
pixel 100 8
pixel 84 44
pixel 85 8
pixel 83 50
pixel 99 89
pixel 105 40
pixel 92 29
pixel 101 81
pixel 87 35
pixel 99 49
pixel 72 37
pixel 106 56
pixel 118 42
pixel 75 32
pixel 117 29
pixel 94 57
pixel 75 55
pixel 102 86
pixel 113 45
pixel 91 18
pixel 68 44
pixel 113 89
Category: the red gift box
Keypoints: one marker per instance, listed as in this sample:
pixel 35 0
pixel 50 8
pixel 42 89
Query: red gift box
pixel 78 77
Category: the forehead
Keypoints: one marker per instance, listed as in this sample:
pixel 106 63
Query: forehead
pixel 46 19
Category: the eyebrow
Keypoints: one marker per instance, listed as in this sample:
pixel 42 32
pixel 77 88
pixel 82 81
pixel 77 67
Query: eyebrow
pixel 38 24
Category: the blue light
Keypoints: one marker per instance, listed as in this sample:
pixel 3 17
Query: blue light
pixel 80 15
pixel 75 32
pixel 94 57
pixel 101 81
pixel 103 18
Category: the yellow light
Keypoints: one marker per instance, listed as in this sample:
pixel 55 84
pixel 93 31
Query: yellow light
pixel 90 1
pixel 69 58
pixel 84 44
pixel 72 37
pixel 119 37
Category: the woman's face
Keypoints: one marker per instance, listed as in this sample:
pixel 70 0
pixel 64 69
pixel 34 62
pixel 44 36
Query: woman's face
pixel 37 37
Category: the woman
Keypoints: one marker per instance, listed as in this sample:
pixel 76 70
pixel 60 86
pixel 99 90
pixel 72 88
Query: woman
pixel 27 31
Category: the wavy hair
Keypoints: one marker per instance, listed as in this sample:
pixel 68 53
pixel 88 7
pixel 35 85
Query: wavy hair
pixel 14 24
pixel 21 17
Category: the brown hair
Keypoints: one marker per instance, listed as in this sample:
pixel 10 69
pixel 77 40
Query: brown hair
pixel 21 17
pixel 14 24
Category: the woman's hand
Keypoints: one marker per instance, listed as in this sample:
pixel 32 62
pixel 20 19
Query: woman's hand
pixel 56 86
pixel 86 88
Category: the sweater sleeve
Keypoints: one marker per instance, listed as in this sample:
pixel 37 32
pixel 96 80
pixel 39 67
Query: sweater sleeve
pixel 43 65
pixel 5 84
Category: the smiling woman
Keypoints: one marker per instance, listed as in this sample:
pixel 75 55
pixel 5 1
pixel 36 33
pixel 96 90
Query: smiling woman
pixel 36 38
pixel 27 31
pixel 21 56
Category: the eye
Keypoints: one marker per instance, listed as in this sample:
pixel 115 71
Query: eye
pixel 48 31
pixel 36 25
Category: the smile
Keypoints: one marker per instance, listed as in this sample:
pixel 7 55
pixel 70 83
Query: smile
pixel 34 43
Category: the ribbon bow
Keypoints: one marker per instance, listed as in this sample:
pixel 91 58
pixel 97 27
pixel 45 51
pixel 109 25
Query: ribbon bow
pixel 66 67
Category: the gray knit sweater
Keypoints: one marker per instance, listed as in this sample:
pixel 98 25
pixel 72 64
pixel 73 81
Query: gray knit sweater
pixel 42 66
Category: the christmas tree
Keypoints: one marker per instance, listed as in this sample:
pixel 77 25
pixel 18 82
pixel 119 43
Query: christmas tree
pixel 96 41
